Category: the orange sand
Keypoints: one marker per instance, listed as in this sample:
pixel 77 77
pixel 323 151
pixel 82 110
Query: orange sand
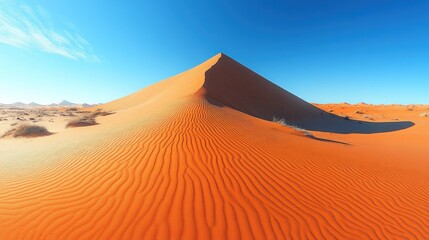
pixel 194 157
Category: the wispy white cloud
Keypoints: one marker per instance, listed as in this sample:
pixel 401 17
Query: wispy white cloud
pixel 27 27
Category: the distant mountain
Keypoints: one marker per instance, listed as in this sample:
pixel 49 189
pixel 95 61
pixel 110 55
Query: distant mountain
pixel 63 103
pixel 87 105
pixel 33 104
pixel 18 104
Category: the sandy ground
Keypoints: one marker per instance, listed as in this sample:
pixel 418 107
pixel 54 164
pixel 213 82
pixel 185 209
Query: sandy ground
pixel 54 119
pixel 193 157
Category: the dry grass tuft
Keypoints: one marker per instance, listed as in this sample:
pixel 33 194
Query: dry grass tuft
pixel 87 120
pixel 81 122
pixel 99 113
pixel 72 109
pixel 283 122
pixel 27 130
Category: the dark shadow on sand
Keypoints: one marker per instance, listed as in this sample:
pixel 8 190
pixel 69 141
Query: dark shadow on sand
pixel 335 124
pixel 328 122
pixel 328 140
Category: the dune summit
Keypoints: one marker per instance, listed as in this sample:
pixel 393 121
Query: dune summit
pixel 194 157
pixel 224 82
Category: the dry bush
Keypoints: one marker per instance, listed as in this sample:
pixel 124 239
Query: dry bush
pixel 283 122
pixel 81 122
pixel 72 109
pixel 87 120
pixel 27 130
pixel 280 121
pixel 101 113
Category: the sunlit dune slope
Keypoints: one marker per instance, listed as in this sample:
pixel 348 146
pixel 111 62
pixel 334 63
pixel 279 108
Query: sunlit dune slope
pixel 193 157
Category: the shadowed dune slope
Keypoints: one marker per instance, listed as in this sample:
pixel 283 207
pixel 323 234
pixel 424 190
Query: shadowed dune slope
pixel 228 83
pixel 171 163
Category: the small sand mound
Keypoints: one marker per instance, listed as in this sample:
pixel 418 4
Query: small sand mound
pixel 26 130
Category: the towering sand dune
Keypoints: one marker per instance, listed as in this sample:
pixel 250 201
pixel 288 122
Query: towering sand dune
pixel 224 82
pixel 193 157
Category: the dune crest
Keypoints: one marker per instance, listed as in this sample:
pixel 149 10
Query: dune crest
pixel 190 158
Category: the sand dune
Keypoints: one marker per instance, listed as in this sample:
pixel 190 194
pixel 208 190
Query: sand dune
pixel 194 157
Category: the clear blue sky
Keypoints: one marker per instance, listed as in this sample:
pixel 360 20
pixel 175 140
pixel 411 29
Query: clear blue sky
pixel 375 51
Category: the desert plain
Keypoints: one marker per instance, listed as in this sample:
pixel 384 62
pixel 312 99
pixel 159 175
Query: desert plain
pixel 217 152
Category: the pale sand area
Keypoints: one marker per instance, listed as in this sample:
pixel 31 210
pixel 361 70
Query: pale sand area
pixel 55 119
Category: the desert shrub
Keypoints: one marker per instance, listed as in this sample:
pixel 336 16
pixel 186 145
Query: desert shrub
pixel 27 130
pixel 283 122
pixel 280 121
pixel 100 113
pixel 81 122
pixel 87 120
pixel 425 114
